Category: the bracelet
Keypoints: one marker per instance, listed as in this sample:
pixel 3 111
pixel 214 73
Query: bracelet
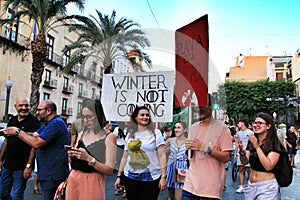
pixel 118 176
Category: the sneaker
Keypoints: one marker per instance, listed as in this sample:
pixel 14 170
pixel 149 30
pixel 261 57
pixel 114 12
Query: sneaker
pixel 240 189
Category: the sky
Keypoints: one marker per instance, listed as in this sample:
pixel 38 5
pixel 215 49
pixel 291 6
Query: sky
pixel 256 27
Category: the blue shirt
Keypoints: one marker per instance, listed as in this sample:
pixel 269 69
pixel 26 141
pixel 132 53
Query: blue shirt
pixel 52 158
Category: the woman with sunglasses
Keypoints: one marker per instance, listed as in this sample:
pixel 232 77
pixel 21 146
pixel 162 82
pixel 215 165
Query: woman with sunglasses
pixel 144 160
pixel 94 155
pixel 263 151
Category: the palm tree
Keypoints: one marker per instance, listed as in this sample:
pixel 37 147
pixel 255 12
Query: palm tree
pixel 105 39
pixel 45 14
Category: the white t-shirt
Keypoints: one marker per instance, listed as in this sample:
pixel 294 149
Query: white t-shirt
pixel 244 137
pixel 150 143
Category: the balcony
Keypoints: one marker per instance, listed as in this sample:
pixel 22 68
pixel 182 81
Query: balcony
pixel 50 84
pixel 13 41
pixel 96 97
pixel 68 89
pixel 83 94
pixel 75 69
pixel 55 59
pixel 67 112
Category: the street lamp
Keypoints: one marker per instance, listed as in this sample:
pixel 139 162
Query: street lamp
pixel 8 84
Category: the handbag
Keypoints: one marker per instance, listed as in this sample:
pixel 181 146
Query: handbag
pixel 180 175
pixel 60 193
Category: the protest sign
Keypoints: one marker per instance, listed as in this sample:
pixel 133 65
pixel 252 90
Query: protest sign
pixel 121 93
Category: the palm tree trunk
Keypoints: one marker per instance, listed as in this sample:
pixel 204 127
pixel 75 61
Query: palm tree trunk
pixel 38 50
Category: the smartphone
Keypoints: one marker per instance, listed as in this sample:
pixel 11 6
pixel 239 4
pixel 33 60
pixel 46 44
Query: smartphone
pixel 67 147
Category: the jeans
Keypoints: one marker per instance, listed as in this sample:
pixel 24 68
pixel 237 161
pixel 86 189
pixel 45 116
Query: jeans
pixel 189 196
pixel 49 188
pixel 12 180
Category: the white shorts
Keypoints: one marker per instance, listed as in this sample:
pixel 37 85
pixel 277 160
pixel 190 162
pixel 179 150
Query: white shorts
pixel 262 190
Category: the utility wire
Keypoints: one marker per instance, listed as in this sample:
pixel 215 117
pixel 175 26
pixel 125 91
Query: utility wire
pixel 156 19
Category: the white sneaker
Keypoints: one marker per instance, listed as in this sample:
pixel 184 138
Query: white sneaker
pixel 240 189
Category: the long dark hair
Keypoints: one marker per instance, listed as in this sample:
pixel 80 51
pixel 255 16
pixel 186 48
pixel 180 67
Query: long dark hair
pixel 271 142
pixel 132 126
pixel 96 107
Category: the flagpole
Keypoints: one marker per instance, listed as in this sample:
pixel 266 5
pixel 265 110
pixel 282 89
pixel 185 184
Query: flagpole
pixel 189 133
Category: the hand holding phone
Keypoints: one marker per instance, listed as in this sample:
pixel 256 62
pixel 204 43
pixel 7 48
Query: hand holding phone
pixel 68 147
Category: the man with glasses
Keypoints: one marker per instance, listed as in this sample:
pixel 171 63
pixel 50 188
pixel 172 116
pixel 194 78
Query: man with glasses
pixel 17 156
pixel 49 141
pixel 242 136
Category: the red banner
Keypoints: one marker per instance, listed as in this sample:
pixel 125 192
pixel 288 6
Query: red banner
pixel 192 45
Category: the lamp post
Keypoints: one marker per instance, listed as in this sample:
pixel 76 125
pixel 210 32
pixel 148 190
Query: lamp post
pixel 8 84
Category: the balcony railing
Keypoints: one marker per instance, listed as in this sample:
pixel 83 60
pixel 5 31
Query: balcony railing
pixel 16 40
pixel 55 58
pixel 67 112
pixel 68 89
pixel 52 83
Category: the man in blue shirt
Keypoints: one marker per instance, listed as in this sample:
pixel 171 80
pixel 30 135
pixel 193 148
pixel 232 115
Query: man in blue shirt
pixel 49 140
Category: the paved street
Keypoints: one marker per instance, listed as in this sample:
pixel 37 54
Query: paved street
pixel 290 193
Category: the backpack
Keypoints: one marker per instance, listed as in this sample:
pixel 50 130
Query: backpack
pixel 283 170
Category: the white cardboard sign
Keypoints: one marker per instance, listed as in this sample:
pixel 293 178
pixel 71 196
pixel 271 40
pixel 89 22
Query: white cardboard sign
pixel 121 93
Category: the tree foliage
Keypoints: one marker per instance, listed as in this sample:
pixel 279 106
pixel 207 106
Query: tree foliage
pixel 105 38
pixel 245 100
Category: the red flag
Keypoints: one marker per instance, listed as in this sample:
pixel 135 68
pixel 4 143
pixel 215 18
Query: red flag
pixel 192 63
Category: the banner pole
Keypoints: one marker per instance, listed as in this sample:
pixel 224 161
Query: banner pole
pixel 189 134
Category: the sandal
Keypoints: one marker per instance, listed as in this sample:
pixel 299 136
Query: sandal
pixel 37 191
pixel 124 195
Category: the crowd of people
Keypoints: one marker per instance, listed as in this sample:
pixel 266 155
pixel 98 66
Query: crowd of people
pixel 189 162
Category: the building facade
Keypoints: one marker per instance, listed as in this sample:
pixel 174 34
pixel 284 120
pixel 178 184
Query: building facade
pixel 66 90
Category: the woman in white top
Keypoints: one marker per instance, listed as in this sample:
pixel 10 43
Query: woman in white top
pixel 144 159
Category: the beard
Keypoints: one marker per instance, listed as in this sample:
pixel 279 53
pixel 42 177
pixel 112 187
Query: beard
pixel 24 113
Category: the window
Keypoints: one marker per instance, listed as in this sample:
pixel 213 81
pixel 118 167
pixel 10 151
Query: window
pixel 11 28
pixel 80 87
pixel 64 105
pixel 50 44
pixel 46 96
pixel 79 107
pixel 93 93
pixel 67 58
pixel 48 75
pixel 279 75
pixel 66 82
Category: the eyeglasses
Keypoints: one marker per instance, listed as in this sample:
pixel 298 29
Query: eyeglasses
pixel 87 117
pixel 142 115
pixel 258 123
pixel 40 109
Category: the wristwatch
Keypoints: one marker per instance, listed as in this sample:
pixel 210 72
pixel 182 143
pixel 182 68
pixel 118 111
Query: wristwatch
pixel 28 165
pixel 208 151
pixel 92 162
pixel 164 175
pixel 17 132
